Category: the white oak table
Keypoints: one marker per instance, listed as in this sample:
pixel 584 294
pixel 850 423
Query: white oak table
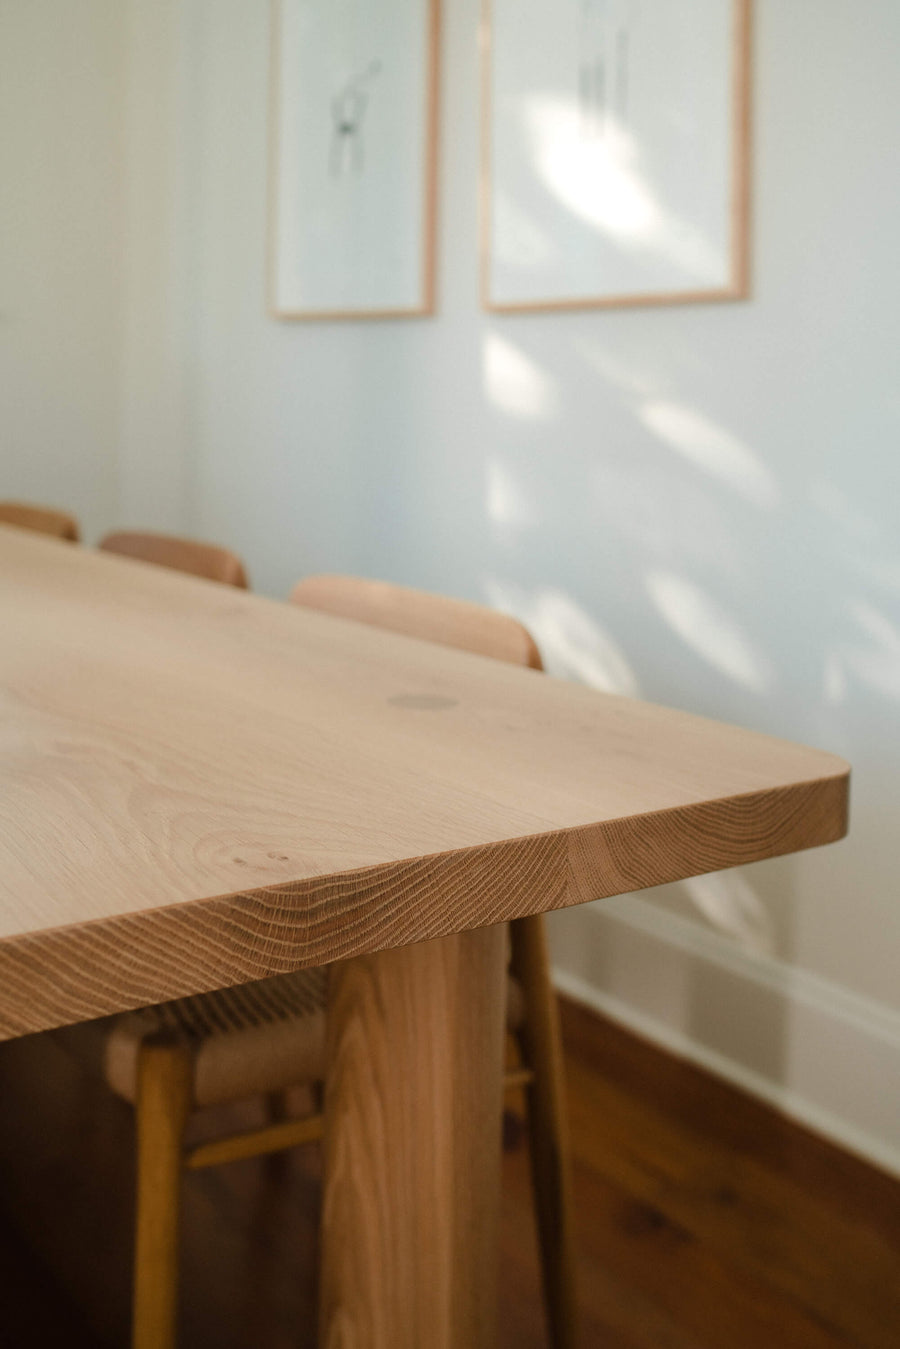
pixel 200 787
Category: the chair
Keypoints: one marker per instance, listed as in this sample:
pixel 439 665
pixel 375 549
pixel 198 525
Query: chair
pixel 207 560
pixel 40 519
pixel 264 1038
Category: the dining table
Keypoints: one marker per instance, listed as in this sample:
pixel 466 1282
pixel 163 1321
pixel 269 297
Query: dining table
pixel 201 787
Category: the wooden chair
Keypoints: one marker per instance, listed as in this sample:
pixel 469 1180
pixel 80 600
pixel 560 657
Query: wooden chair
pixel 166 550
pixel 261 1039
pixel 41 519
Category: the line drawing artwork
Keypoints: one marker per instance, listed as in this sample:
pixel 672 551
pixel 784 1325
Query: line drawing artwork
pixel 352 158
pixel 615 153
pixel 605 34
pixel 348 110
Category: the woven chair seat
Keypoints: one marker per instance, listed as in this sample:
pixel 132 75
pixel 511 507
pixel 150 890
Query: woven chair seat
pixel 246 1040
pixel 252 1038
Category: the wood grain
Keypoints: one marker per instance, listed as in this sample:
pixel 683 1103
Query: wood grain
pixel 412 1146
pixel 201 787
pixel 705 1220
pixel 163 1108
pixel 473 627
pixel 548 1128
pixel 706 1186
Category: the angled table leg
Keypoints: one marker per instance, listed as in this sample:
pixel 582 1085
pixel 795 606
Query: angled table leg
pixel 412 1155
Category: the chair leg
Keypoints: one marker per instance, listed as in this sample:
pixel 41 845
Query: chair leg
pixel 541 1046
pixel 163 1105
pixel 277 1107
pixel 278 1103
pixel 277 1111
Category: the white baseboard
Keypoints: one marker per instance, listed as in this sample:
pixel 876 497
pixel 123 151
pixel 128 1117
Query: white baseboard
pixel 827 1057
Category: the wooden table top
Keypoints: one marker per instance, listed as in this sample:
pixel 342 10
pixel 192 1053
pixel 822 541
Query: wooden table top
pixel 201 787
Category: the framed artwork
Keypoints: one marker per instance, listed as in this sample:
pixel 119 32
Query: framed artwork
pixel 615 152
pixel 354 124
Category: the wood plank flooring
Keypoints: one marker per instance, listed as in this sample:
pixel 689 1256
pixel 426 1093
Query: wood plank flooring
pixel 705 1220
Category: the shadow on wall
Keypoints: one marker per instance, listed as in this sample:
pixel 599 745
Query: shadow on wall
pixel 653 551
pixel 658 973
pixel 575 646
pixel 703 538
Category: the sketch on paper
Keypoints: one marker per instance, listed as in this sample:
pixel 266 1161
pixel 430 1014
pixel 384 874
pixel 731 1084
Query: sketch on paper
pixel 614 152
pixel 353 133
pixel 348 110
pixel 606 33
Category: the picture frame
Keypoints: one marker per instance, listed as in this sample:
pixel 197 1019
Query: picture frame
pixel 353 147
pixel 615 153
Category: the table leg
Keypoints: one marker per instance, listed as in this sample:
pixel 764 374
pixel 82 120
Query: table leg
pixel 412 1155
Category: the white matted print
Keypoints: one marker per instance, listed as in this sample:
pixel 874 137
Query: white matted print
pixel 615 152
pixel 353 124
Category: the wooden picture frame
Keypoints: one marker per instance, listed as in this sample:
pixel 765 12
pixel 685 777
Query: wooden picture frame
pixel 615 153
pixel 353 158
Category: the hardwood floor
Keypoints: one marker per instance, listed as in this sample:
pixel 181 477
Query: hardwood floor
pixel 705 1220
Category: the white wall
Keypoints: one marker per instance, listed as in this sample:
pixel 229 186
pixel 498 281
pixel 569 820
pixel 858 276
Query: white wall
pixel 61 235
pixel 696 504
pixel 154 467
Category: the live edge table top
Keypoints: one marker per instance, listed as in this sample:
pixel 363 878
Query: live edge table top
pixel 201 787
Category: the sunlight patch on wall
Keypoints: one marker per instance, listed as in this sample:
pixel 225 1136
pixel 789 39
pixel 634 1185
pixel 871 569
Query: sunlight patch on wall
pixel 515 383
pixel 834 679
pixel 601 182
pixel 617 372
pixel 713 449
pixel 507 505
pixel 871 550
pixel 573 645
pixel 838 507
pixel 877 663
pixel 729 902
pixel 708 630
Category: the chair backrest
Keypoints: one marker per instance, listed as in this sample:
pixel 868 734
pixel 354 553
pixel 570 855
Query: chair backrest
pixel 41 519
pixel 197 559
pixel 416 613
